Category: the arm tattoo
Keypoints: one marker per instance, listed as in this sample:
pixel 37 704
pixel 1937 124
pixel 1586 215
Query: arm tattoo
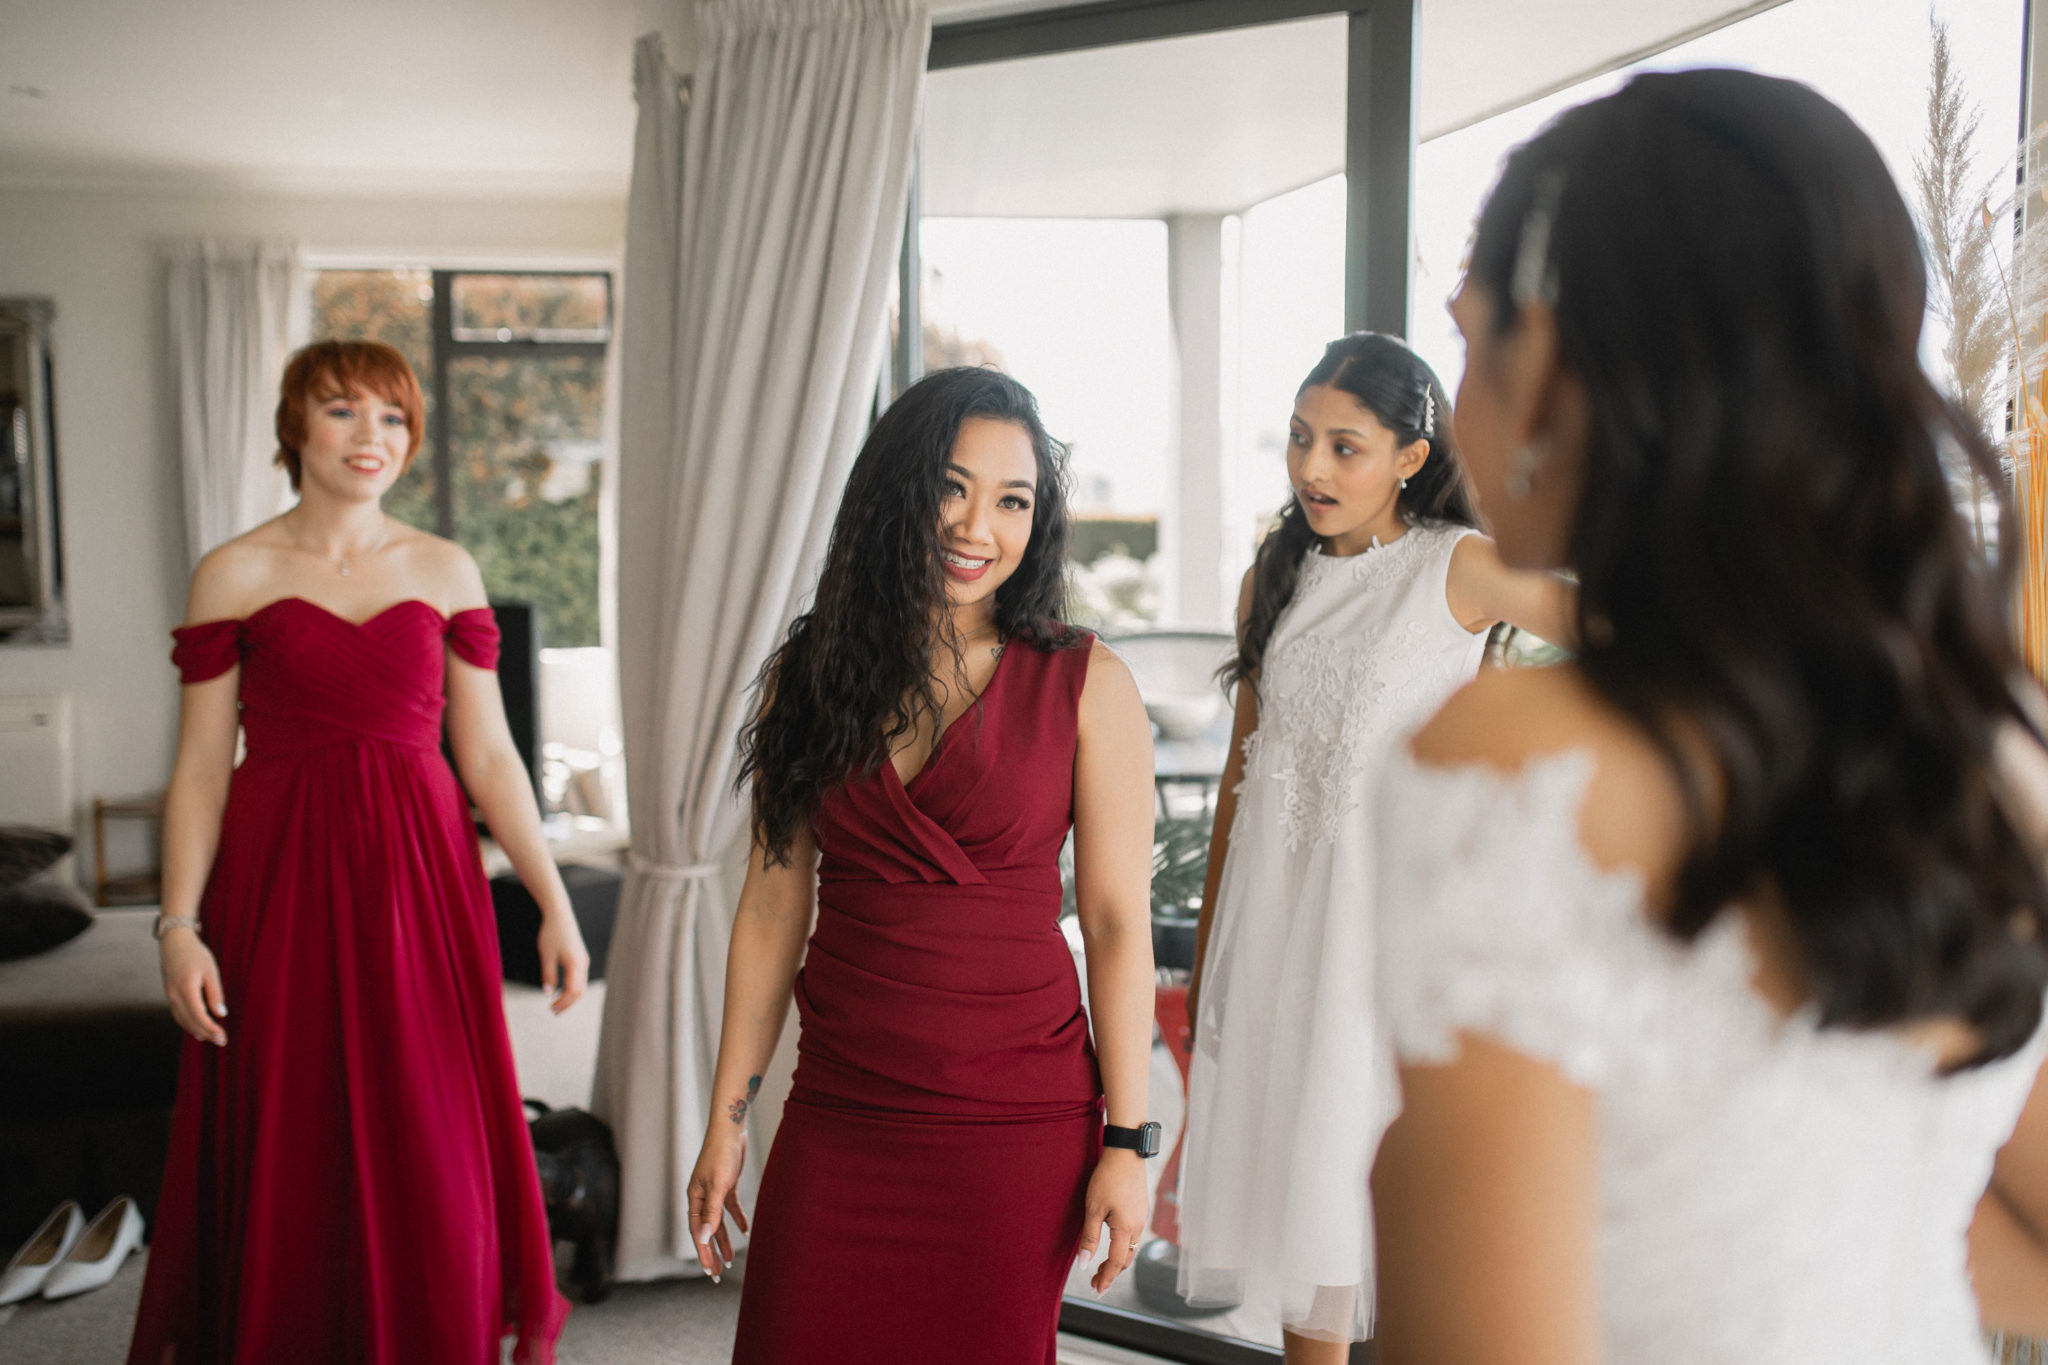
pixel 737 1110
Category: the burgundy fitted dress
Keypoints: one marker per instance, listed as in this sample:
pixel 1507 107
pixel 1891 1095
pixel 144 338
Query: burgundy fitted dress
pixel 350 1178
pixel 923 1197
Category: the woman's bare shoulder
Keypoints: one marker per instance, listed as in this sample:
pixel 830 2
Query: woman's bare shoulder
pixel 1110 709
pixel 1108 676
pixel 442 571
pixel 236 576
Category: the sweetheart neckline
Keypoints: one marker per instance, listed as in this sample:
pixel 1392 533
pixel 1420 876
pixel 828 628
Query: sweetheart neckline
pixel 332 614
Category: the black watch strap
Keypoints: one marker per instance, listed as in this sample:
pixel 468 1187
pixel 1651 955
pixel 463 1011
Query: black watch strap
pixel 1144 1139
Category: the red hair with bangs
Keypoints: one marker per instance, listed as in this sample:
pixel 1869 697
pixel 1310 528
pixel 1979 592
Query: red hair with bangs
pixel 339 369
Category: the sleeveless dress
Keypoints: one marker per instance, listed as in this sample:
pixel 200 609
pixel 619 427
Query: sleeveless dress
pixel 1290 1088
pixel 1771 1193
pixel 350 1179
pixel 922 1199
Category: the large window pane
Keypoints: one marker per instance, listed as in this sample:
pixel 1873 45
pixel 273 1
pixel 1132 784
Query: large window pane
pixel 525 446
pixel 1872 60
pixel 1291 283
pixel 1151 237
pixel 1077 310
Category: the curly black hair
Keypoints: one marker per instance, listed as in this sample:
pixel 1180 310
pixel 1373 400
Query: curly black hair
pixel 1398 387
pixel 854 672
pixel 1768 554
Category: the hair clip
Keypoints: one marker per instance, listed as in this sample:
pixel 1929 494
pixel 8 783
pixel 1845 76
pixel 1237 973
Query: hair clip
pixel 1428 410
pixel 1535 278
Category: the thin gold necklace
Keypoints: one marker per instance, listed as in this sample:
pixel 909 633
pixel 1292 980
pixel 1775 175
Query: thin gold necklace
pixel 341 562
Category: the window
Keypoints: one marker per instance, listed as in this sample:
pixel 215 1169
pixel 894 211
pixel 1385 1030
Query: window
pixel 514 370
pixel 1145 218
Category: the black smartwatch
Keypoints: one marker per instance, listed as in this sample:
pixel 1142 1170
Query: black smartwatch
pixel 1144 1139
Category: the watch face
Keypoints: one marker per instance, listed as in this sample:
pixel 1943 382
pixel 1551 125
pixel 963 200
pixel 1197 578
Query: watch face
pixel 1148 1135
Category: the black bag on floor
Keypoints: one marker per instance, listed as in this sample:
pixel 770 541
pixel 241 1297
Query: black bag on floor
pixel 579 1184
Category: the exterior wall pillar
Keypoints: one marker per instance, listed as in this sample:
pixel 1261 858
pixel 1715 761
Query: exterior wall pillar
pixel 1194 530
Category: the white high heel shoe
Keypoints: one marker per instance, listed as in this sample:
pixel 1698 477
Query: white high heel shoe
pixel 39 1254
pixel 99 1251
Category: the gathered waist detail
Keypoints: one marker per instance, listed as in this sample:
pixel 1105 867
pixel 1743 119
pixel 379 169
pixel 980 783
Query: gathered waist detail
pixel 270 743
pixel 942 999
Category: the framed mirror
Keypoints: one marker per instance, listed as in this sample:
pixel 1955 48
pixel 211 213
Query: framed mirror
pixel 31 547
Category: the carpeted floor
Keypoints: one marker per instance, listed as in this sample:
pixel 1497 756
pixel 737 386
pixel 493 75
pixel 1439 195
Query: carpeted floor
pixel 669 1322
pixel 672 1322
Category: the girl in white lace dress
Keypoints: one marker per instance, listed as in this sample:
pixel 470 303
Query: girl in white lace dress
pixel 1369 604
pixel 1715 961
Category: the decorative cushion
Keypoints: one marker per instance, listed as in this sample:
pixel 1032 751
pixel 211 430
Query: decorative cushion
pixel 36 916
pixel 26 850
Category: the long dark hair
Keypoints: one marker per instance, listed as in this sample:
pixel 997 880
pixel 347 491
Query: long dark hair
pixel 854 672
pixel 1767 552
pixel 1398 387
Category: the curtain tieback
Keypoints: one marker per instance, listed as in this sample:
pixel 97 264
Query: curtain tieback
pixel 670 872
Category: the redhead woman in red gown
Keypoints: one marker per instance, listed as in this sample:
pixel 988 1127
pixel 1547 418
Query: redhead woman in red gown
pixel 923 741
pixel 350 1178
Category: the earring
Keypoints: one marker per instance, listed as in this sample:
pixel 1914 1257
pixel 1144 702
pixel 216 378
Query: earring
pixel 1404 483
pixel 1522 467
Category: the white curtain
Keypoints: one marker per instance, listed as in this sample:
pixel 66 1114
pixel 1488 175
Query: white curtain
pixel 768 198
pixel 231 308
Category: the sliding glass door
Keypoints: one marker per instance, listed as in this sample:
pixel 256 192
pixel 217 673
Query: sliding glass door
pixel 1155 216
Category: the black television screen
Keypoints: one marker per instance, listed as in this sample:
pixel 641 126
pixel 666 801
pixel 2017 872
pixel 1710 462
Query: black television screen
pixel 519 680
pixel 518 683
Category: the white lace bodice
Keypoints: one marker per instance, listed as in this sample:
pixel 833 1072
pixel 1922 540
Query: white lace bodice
pixel 1275 1211
pixel 1770 1193
pixel 1364 652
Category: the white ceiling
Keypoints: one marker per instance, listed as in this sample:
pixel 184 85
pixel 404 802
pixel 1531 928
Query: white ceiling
pixel 1221 121
pixel 534 97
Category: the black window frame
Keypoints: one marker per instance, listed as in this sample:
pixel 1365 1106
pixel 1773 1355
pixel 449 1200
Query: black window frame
pixel 1379 117
pixel 1379 168
pixel 446 347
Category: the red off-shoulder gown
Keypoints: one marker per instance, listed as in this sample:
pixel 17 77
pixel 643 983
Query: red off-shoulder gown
pixel 923 1197
pixel 350 1178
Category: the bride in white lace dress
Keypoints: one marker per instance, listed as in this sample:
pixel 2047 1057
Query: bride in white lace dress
pixel 1715 961
pixel 1368 606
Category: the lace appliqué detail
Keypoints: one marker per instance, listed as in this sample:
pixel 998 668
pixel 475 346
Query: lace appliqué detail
pixel 1739 1148
pixel 1322 693
pixel 1328 704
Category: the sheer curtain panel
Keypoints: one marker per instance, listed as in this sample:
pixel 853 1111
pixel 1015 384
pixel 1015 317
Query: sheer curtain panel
pixel 769 188
pixel 231 312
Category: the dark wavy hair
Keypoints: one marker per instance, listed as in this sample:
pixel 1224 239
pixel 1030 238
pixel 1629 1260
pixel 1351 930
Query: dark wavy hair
pixel 854 672
pixel 1769 559
pixel 1398 387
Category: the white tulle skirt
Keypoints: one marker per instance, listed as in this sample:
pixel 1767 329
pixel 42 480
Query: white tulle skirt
pixel 1291 1086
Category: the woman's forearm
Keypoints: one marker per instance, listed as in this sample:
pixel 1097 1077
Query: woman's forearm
pixel 499 786
pixel 1120 989
pixel 1243 724
pixel 1548 608
pixel 760 973
pixel 2009 1267
pixel 1219 854
pixel 192 815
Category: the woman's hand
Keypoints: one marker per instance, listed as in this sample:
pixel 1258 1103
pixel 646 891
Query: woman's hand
pixel 1116 1196
pixel 192 985
pixel 564 961
pixel 714 1192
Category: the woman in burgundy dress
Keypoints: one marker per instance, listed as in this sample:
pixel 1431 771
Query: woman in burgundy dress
pixel 923 741
pixel 350 1178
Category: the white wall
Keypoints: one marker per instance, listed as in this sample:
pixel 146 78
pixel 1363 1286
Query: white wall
pixel 93 251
